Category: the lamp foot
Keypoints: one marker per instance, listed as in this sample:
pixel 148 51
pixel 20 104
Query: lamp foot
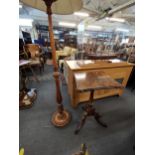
pixel 61 120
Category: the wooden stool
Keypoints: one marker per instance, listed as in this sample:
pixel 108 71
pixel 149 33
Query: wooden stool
pixel 91 81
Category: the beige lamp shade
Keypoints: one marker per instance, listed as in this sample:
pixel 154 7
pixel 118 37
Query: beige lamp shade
pixel 61 7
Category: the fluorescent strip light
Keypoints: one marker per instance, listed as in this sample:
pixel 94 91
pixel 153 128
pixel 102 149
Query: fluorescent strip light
pixel 82 14
pixel 94 27
pixel 67 24
pixel 25 22
pixel 20 6
pixel 116 19
pixel 81 27
pixel 122 30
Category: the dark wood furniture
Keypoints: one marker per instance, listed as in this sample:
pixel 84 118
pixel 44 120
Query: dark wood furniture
pixel 96 56
pixel 26 96
pixel 131 82
pixel 91 81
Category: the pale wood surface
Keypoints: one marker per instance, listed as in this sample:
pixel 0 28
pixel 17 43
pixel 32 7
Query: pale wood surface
pixel 115 69
pixel 91 64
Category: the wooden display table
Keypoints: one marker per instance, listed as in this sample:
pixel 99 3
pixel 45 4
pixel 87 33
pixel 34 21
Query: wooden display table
pixel 89 82
pixel 115 68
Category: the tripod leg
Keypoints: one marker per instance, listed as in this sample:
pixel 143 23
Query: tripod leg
pixel 97 118
pixel 81 124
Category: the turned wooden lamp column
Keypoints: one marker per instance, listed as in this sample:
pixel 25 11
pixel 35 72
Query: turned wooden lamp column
pixel 61 117
pixel 62 7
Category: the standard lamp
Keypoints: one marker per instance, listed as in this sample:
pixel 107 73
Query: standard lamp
pixel 61 117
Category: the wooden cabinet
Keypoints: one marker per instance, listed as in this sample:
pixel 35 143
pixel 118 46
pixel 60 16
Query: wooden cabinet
pixel 119 70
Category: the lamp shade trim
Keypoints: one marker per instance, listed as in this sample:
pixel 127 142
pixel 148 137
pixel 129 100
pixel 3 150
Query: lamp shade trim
pixel 60 7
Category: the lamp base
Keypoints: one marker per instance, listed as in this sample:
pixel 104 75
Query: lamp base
pixel 61 120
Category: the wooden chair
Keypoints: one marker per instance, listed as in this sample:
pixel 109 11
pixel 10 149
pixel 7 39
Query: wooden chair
pixel 34 53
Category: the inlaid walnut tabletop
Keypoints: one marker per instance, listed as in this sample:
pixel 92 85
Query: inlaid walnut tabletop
pixel 93 80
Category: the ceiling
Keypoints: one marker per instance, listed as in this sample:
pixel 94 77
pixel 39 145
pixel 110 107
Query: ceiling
pixel 95 8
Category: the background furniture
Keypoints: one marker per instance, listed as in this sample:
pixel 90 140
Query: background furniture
pixel 67 51
pixel 64 35
pixel 131 82
pixel 26 96
pixel 95 56
pixel 61 55
pixel 36 56
pixel 117 69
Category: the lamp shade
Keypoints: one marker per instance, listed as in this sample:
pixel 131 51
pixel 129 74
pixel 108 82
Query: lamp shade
pixel 61 7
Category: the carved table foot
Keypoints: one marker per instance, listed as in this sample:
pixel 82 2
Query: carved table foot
pixel 97 118
pixel 89 110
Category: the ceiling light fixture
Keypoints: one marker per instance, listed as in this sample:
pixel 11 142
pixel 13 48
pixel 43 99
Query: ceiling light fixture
pixel 67 24
pixel 115 19
pixel 95 27
pixel 25 22
pixel 122 30
pixel 82 14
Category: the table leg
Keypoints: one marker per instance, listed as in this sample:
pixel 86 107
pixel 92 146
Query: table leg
pixel 97 118
pixel 89 110
pixel 81 124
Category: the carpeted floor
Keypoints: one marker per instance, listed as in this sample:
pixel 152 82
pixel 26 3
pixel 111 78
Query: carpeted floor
pixel 39 137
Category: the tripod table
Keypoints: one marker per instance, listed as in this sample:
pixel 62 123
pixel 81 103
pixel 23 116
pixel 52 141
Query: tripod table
pixel 91 81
